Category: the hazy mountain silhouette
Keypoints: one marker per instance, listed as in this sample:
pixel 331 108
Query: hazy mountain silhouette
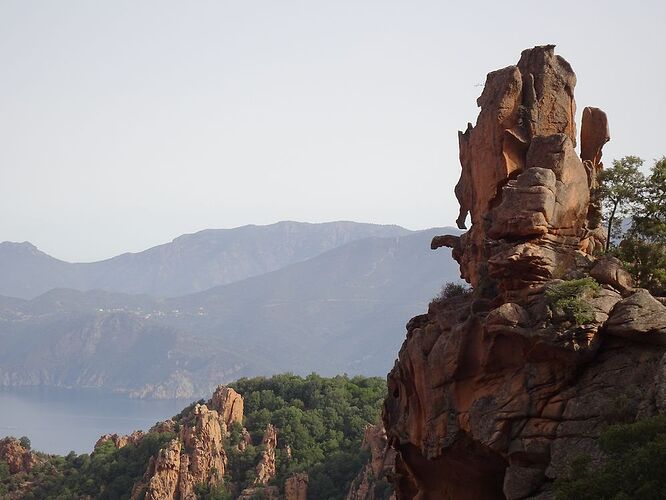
pixel 189 263
pixel 340 311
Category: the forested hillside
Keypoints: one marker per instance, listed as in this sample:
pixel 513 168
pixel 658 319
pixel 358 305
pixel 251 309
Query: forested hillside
pixel 318 426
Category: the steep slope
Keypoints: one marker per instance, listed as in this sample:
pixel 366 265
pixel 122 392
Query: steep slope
pixel 190 263
pixel 328 314
pixel 497 392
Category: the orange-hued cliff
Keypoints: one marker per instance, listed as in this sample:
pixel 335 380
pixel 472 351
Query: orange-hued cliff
pixel 496 390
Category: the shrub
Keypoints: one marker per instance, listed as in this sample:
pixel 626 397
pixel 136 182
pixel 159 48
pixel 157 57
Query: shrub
pixel 568 299
pixel 451 289
pixel 633 468
pixel 25 442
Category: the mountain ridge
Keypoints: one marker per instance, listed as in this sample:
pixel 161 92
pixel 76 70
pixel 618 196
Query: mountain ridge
pixel 347 304
pixel 188 263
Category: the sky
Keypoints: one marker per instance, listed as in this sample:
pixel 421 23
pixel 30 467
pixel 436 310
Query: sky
pixel 124 124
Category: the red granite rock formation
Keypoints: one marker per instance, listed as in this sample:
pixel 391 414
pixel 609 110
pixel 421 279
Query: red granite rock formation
pixel 229 404
pixel 296 487
pixel 197 455
pixel 378 469
pixel 495 391
pixel 266 468
pixel 120 441
pixel 522 183
pixel 16 456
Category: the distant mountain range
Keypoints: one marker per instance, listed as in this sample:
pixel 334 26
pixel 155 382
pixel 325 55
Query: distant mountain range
pixel 190 263
pixel 332 299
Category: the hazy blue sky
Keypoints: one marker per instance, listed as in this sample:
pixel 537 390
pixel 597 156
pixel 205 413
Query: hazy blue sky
pixel 126 123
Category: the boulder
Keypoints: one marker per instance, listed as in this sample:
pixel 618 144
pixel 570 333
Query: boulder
pixel 609 271
pixel 640 317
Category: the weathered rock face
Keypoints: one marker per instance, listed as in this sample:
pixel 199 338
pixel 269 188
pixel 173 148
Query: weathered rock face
pixel 165 473
pixel 378 469
pixel 296 487
pixel 229 404
pixel 266 470
pixel 120 441
pixel 495 391
pixel 197 456
pixel 205 459
pixel 526 189
pixel 18 458
pixel 266 467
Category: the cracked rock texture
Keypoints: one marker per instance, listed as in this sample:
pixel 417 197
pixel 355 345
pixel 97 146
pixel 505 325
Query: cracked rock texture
pixel 496 391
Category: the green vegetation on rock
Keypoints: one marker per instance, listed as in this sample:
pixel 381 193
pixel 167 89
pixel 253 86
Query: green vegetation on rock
pixel 568 300
pixel 627 194
pixel 633 467
pixel 107 473
pixel 322 420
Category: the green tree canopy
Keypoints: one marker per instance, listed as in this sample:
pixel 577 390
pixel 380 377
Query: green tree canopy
pixel 634 466
pixel 627 194
pixel 621 186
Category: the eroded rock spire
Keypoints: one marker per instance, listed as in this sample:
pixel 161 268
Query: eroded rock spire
pixel 524 187
pixel 495 391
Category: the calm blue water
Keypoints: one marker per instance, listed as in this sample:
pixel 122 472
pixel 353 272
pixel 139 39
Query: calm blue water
pixel 61 420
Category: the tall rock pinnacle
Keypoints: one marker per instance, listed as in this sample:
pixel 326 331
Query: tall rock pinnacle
pixel 526 190
pixel 495 391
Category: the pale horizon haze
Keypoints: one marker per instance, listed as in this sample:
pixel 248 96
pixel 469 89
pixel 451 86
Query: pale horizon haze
pixel 124 124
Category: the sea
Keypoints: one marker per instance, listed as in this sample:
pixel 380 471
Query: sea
pixel 62 420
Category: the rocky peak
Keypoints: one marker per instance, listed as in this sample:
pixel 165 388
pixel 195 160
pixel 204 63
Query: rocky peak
pixel 522 183
pixel 496 391
pixel 164 474
pixel 228 404
pixel 197 455
pixel 204 460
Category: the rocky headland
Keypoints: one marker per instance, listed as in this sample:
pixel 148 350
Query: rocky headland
pixel 497 389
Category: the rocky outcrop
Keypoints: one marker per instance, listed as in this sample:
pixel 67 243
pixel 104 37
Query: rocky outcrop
pixel 496 391
pixel 245 440
pixel 17 457
pixel 266 468
pixel 263 492
pixel 204 460
pixel 197 456
pixel 376 472
pixel 522 183
pixel 296 487
pixel 120 441
pixel 164 473
pixel 228 404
